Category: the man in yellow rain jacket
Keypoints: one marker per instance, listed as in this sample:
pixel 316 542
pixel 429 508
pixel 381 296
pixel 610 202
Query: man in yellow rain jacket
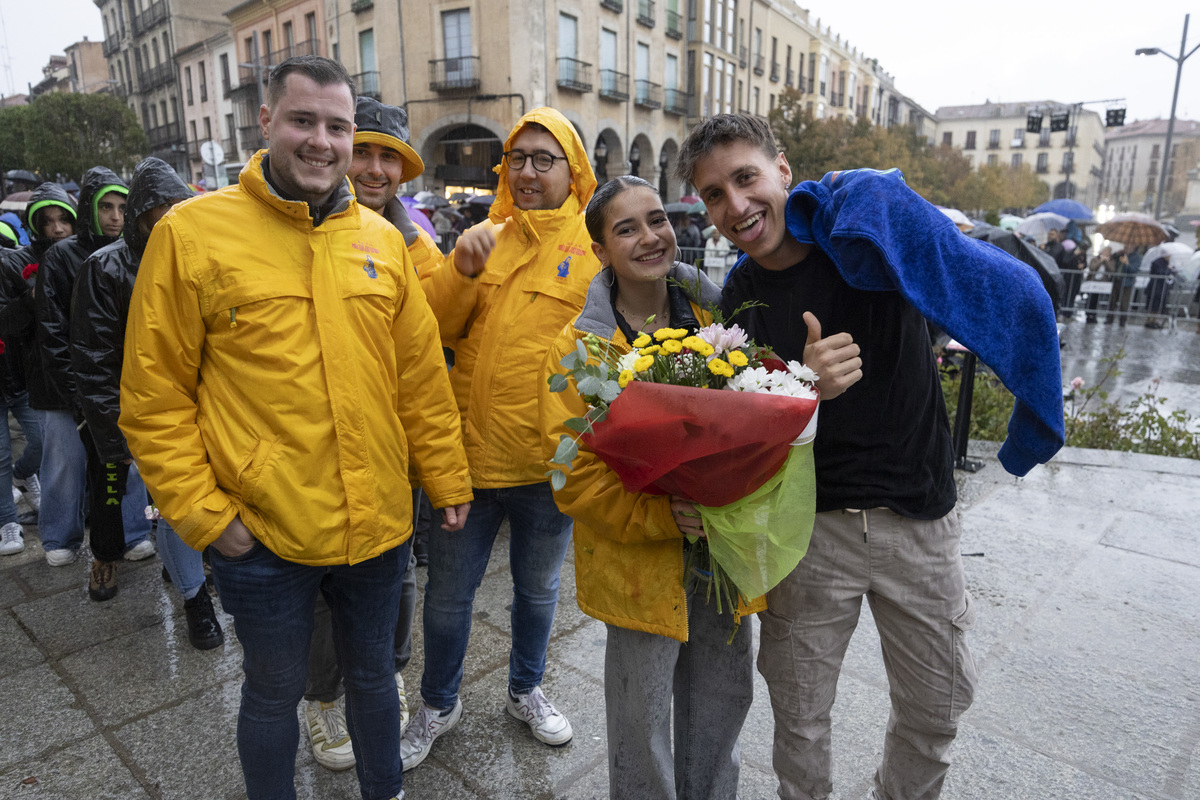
pixel 501 298
pixel 281 365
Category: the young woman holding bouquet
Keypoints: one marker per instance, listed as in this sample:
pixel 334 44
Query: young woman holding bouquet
pixel 668 650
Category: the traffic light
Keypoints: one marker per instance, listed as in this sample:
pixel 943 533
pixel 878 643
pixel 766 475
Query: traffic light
pixel 1114 118
pixel 1060 121
pixel 1033 123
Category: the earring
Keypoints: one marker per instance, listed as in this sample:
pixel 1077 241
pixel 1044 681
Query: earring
pixel 611 275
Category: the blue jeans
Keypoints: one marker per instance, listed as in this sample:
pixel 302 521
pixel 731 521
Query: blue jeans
pixel 272 602
pixel 31 457
pixel 540 535
pixel 63 478
pixel 184 565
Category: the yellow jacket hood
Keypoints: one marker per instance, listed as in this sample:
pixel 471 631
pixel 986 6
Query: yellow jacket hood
pixel 583 180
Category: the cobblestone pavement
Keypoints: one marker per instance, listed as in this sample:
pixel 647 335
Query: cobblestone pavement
pixel 1086 573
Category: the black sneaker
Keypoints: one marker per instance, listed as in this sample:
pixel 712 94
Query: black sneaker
pixel 204 631
pixel 102 584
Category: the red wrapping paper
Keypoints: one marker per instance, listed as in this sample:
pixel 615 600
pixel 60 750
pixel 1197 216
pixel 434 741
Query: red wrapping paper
pixel 709 446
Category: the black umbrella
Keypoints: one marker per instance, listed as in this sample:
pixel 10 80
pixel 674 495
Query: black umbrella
pixel 1044 263
pixel 481 200
pixel 22 175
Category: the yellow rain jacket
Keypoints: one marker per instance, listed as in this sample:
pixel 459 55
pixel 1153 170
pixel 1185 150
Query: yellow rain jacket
pixel 501 322
pixel 283 372
pixel 629 556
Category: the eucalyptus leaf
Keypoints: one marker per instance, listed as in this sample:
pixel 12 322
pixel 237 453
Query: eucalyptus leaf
pixel 598 414
pixel 558 479
pixel 578 424
pixel 581 349
pixel 566 452
pixel 590 386
pixel 609 391
pixel 570 360
pixel 558 382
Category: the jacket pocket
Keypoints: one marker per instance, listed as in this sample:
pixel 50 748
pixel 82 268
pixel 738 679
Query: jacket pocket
pixel 255 469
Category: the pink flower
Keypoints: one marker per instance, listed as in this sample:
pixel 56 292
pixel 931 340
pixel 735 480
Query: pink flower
pixel 1076 383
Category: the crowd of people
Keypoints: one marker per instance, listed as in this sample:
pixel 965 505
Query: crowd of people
pixel 291 392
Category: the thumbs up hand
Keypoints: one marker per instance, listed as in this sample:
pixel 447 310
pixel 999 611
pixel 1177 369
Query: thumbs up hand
pixel 835 359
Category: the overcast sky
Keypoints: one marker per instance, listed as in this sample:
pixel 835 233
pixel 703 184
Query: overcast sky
pixel 941 53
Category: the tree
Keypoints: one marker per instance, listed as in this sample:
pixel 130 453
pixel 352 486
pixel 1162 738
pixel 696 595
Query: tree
pixel 12 139
pixel 67 133
pixel 941 174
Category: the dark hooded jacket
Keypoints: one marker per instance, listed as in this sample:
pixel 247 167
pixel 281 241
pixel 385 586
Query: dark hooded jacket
pixel 55 282
pixel 17 271
pixel 100 307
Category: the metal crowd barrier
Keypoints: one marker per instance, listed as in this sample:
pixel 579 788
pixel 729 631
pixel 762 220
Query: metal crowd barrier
pixel 1148 298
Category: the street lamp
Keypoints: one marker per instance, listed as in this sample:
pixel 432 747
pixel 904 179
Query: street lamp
pixel 1166 156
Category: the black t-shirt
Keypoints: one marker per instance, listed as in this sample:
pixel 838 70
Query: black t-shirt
pixel 886 440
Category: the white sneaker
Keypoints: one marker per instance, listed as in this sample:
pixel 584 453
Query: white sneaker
pixel 403 701
pixel 427 725
pixel 328 735
pixel 547 724
pixel 32 488
pixel 142 550
pixel 12 540
pixel 61 557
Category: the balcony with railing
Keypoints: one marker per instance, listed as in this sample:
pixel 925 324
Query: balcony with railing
pixel 614 85
pixel 230 148
pixel 760 62
pixel 359 6
pixel 193 151
pixel 367 84
pixel 674 24
pixel 111 45
pixel 460 74
pixel 676 102
pixel 164 136
pixel 743 56
pixel 263 65
pixel 775 72
pixel 574 75
pixel 613 5
pixel 251 137
pixel 154 14
pixel 645 13
pixel 648 95
pixel 156 76
pixel 789 77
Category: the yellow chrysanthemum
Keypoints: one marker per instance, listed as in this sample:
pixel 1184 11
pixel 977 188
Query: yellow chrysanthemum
pixel 672 346
pixel 662 334
pixel 644 363
pixel 738 359
pixel 719 367
pixel 651 350
pixel 698 345
pixel 624 378
pixel 642 340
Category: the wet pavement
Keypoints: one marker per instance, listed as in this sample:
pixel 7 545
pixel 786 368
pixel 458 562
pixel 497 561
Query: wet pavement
pixel 1086 576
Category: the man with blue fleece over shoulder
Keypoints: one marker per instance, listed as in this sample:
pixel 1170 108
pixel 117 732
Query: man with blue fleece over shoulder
pixel 848 269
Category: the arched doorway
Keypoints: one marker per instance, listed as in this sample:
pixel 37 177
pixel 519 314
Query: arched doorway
pixel 609 156
pixel 668 187
pixel 641 157
pixel 463 158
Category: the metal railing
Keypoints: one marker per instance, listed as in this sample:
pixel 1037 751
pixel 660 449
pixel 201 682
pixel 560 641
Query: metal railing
pixel 111 46
pixel 676 102
pixel 230 148
pixel 645 13
pixel 1155 300
pixel 165 135
pixel 648 95
pixel 775 73
pixel 574 74
pixel 674 24
pixel 309 47
pixel 760 64
pixel 367 84
pixel 251 137
pixel 454 74
pixel 361 5
pixel 153 15
pixel 614 85
pixel 156 76
pixel 613 5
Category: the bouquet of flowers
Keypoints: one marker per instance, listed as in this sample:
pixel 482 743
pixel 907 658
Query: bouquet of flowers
pixel 716 420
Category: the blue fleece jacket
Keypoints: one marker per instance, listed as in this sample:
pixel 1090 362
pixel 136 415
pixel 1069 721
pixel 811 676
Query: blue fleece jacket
pixel 884 237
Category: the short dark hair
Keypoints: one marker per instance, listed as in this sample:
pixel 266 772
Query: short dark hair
pixel 322 71
pixel 596 214
pixel 718 130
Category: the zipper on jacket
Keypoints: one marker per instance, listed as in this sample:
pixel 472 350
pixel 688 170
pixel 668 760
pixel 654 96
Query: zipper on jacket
pixel 233 317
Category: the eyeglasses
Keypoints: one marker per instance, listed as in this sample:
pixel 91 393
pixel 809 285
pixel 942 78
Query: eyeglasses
pixel 542 162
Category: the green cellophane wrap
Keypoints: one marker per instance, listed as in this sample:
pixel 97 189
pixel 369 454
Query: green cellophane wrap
pixel 761 538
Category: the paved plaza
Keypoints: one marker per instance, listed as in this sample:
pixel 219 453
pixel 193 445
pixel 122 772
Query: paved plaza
pixel 1086 575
